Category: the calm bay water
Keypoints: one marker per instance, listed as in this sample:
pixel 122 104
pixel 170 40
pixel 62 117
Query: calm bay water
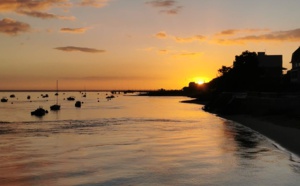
pixel 133 140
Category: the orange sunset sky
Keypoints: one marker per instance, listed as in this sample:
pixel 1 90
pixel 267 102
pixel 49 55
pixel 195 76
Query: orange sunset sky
pixel 136 44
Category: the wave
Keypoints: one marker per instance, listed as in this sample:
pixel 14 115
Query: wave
pixel 46 128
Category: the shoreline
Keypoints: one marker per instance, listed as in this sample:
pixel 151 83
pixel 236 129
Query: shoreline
pixel 278 128
pixel 283 129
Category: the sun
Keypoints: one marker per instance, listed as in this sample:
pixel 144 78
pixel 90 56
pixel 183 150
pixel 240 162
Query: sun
pixel 200 82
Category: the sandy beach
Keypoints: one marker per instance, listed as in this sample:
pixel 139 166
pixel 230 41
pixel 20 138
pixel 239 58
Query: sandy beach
pixel 282 129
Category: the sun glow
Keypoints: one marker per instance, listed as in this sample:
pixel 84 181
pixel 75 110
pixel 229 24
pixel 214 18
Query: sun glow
pixel 200 82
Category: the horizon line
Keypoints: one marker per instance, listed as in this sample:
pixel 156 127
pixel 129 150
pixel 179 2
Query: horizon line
pixel 77 90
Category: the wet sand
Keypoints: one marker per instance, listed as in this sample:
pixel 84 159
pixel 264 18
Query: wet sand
pixel 283 129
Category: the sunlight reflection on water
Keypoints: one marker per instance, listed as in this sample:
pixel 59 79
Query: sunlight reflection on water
pixel 136 141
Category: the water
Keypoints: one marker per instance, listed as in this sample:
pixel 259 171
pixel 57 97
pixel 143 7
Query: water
pixel 133 140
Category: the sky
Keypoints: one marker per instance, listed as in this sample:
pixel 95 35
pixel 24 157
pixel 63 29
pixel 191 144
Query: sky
pixel 136 44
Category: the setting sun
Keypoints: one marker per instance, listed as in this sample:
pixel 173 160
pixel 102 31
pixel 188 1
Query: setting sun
pixel 200 82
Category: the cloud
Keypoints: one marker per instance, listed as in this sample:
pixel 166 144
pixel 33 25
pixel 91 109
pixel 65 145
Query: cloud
pixel 79 49
pixel 163 51
pixel 190 54
pixel 172 11
pixel 44 15
pixel 74 30
pixel 94 3
pixel 161 3
pixel 231 32
pixel 35 8
pixel 187 54
pixel 14 5
pixel 189 39
pixel 13 27
pixel 39 8
pixel 275 36
pixel 109 78
pixel 169 6
pixel 161 35
pixel 174 53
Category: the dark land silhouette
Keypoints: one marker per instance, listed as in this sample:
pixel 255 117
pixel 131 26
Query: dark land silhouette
pixel 255 92
pixel 254 84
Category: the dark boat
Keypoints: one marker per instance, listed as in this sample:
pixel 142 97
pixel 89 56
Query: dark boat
pixel 4 99
pixel 12 96
pixel 56 106
pixel 78 104
pixel 71 98
pixel 110 97
pixel 39 112
pixel 45 96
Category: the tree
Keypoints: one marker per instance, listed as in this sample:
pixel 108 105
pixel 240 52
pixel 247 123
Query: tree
pixel 224 70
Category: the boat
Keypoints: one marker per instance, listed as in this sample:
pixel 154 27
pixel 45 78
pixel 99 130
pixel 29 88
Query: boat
pixel 45 96
pixel 39 112
pixel 4 99
pixel 56 106
pixel 110 97
pixel 71 98
pixel 12 96
pixel 78 104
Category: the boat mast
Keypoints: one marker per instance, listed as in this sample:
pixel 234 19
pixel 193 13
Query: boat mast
pixel 56 92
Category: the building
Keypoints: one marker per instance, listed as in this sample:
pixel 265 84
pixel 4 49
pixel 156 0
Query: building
pixel 271 66
pixel 295 71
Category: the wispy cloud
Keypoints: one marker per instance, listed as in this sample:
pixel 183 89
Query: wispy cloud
pixel 163 51
pixel 175 53
pixel 109 78
pixel 74 30
pixel 185 54
pixel 162 3
pixel 79 49
pixel 189 39
pixel 39 8
pixel 44 15
pixel 13 27
pixel 14 5
pixel 94 3
pixel 172 11
pixel 161 35
pixel 168 6
pixel 271 36
pixel 231 32
pixel 164 35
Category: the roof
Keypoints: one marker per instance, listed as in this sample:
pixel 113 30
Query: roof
pixel 296 56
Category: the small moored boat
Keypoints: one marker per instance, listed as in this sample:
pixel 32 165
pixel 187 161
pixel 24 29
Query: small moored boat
pixel 78 104
pixel 4 99
pixel 39 112
pixel 56 106
pixel 71 98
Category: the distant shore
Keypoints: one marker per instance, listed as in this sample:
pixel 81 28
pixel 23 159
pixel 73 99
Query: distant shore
pixel 283 129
